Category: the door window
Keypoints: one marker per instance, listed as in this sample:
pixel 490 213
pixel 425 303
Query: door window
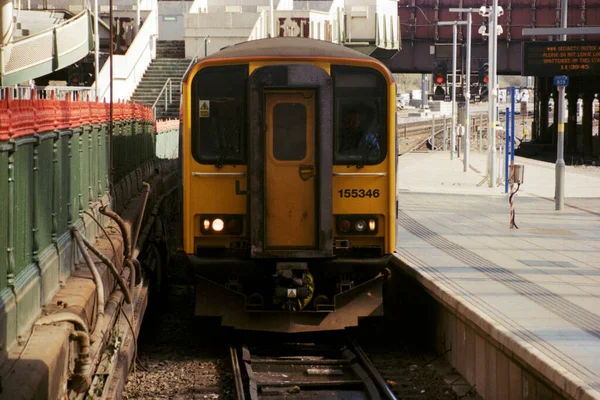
pixel 289 131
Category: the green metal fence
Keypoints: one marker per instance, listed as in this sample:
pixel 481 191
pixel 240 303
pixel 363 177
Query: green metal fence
pixel 47 180
pixel 3 217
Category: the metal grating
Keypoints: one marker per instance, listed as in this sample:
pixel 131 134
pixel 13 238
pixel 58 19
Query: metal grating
pixel 62 193
pixel 44 193
pixel 27 53
pixel 23 233
pixel 3 218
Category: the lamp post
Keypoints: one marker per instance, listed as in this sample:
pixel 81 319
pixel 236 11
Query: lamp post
pixel 96 48
pixel 467 121
pixel 494 30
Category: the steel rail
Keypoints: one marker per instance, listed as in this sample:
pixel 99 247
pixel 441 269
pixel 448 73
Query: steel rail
pixel 237 373
pixel 371 370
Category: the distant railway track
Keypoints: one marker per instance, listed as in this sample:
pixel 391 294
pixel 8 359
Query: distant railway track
pixel 328 367
pixel 412 136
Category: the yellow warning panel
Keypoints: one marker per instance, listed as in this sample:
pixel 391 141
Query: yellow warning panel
pixel 291 293
pixel 204 108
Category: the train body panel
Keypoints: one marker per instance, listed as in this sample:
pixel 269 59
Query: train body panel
pixel 289 159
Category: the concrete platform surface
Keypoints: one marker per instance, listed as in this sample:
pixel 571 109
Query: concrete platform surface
pixel 535 289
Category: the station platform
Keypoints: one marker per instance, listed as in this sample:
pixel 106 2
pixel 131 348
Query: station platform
pixel 535 291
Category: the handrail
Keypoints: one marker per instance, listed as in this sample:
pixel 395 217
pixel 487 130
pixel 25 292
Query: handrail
pixel 168 96
pixel 195 58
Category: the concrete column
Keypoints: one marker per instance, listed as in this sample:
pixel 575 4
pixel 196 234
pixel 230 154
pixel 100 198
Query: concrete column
pixel 6 21
pixel 571 128
pixel 587 123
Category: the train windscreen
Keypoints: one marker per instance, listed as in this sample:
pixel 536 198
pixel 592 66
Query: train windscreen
pixel 218 115
pixel 360 122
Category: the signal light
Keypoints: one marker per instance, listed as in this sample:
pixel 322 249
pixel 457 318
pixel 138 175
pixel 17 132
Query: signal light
pixel 484 71
pixel 440 72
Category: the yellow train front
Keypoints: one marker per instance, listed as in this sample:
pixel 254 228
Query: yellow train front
pixel 288 168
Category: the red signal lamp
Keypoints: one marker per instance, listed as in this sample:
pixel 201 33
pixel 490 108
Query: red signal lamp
pixel 485 79
pixel 439 79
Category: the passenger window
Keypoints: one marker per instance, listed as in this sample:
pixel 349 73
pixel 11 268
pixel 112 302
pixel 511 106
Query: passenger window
pixel 218 115
pixel 360 116
pixel 289 131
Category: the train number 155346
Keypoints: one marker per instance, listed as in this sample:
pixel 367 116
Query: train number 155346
pixel 360 193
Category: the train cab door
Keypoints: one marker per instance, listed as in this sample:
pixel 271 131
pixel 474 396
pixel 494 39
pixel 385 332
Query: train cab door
pixel 290 170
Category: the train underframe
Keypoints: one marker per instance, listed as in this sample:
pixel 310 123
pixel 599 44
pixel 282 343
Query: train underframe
pixel 294 295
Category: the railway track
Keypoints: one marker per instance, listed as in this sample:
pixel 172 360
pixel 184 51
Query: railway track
pixel 413 136
pixel 334 366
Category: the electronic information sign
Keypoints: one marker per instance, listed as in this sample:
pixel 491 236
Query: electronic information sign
pixel 561 58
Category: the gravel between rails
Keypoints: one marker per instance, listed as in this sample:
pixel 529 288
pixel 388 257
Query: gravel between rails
pixel 180 356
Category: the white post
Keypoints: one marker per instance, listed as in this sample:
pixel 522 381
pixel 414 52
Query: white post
pixel 559 193
pixel 468 95
pixel 453 121
pixel 493 26
pixel 272 19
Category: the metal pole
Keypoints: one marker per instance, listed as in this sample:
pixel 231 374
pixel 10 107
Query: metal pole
pixel 468 95
pixel 559 194
pixel 423 90
pixel 512 128
pixel 507 136
pixel 445 133
pixel 453 133
pixel 110 122
pixel 137 14
pixel 96 48
pixel 272 19
pixel 433 132
pixel 493 28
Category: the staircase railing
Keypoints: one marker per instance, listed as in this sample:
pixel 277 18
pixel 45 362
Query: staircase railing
pixel 168 90
pixel 195 58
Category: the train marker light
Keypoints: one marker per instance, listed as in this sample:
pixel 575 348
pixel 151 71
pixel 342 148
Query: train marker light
pixel 372 225
pixel 206 223
pixel 360 225
pixel 344 225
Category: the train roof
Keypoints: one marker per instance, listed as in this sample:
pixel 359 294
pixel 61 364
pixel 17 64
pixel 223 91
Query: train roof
pixel 288 47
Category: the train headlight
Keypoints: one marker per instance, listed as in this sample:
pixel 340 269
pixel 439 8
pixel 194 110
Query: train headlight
pixel 223 224
pixel 218 225
pixel 372 225
pixel 360 225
